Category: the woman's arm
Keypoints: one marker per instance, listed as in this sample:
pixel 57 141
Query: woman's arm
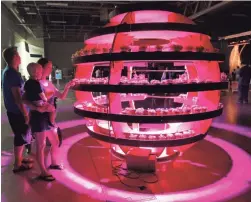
pixel 63 95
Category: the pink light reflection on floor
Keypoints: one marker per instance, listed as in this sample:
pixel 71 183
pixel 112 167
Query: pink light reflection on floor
pixel 242 130
pixel 232 185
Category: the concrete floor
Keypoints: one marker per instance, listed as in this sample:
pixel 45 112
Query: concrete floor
pixel 215 169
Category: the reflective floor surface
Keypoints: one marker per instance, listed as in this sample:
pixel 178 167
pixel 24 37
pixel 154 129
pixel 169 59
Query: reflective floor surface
pixel 216 169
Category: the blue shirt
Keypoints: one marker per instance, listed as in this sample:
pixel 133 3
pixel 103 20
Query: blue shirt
pixel 245 75
pixel 11 78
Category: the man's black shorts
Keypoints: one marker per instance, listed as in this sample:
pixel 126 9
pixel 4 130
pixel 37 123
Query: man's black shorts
pixel 20 129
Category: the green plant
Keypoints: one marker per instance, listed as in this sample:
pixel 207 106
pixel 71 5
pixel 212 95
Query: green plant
pixel 94 50
pixel 105 50
pixel 177 48
pixel 189 48
pixel 124 48
pixel 81 52
pixel 200 49
pixel 86 52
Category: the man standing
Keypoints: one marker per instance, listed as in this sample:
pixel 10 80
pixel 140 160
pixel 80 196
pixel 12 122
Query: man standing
pixel 163 77
pixel 16 111
pixel 233 75
pixel 237 76
pixel 97 73
pixel 244 82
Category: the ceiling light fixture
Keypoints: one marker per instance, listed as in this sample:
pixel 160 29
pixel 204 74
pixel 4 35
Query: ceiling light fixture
pixel 31 13
pixel 58 22
pixel 248 33
pixel 57 4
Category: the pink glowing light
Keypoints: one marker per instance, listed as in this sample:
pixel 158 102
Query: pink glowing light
pixel 163 35
pixel 201 70
pixel 241 130
pixel 149 16
pixel 235 183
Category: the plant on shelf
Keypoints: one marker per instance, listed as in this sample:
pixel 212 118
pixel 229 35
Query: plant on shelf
pixel 124 48
pixel 105 50
pixel 143 48
pixel 77 54
pixel 159 48
pixel 86 52
pixel 94 51
pixel 177 48
pixel 81 52
pixel 189 48
pixel 200 49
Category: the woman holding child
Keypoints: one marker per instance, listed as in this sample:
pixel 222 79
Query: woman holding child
pixel 42 124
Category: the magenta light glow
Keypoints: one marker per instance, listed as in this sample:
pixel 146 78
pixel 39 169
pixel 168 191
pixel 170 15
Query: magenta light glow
pixel 236 181
pixel 163 35
pixel 150 16
pixel 160 40
pixel 241 130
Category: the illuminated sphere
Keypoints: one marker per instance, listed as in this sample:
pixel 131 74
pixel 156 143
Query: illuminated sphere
pixel 150 27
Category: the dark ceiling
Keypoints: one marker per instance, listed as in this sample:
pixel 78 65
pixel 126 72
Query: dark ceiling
pixel 71 20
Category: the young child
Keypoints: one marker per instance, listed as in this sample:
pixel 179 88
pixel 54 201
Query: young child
pixel 33 89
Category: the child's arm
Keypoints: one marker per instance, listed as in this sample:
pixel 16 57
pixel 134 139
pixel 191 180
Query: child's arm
pixel 42 96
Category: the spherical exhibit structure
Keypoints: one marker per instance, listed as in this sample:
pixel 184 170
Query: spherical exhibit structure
pixel 136 105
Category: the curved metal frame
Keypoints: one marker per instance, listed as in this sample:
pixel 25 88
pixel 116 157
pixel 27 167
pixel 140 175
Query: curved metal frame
pixel 152 56
pixel 145 143
pixel 148 119
pixel 169 88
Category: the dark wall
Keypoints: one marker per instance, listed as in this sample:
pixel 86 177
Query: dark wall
pixel 60 53
pixel 246 54
pixel 12 33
